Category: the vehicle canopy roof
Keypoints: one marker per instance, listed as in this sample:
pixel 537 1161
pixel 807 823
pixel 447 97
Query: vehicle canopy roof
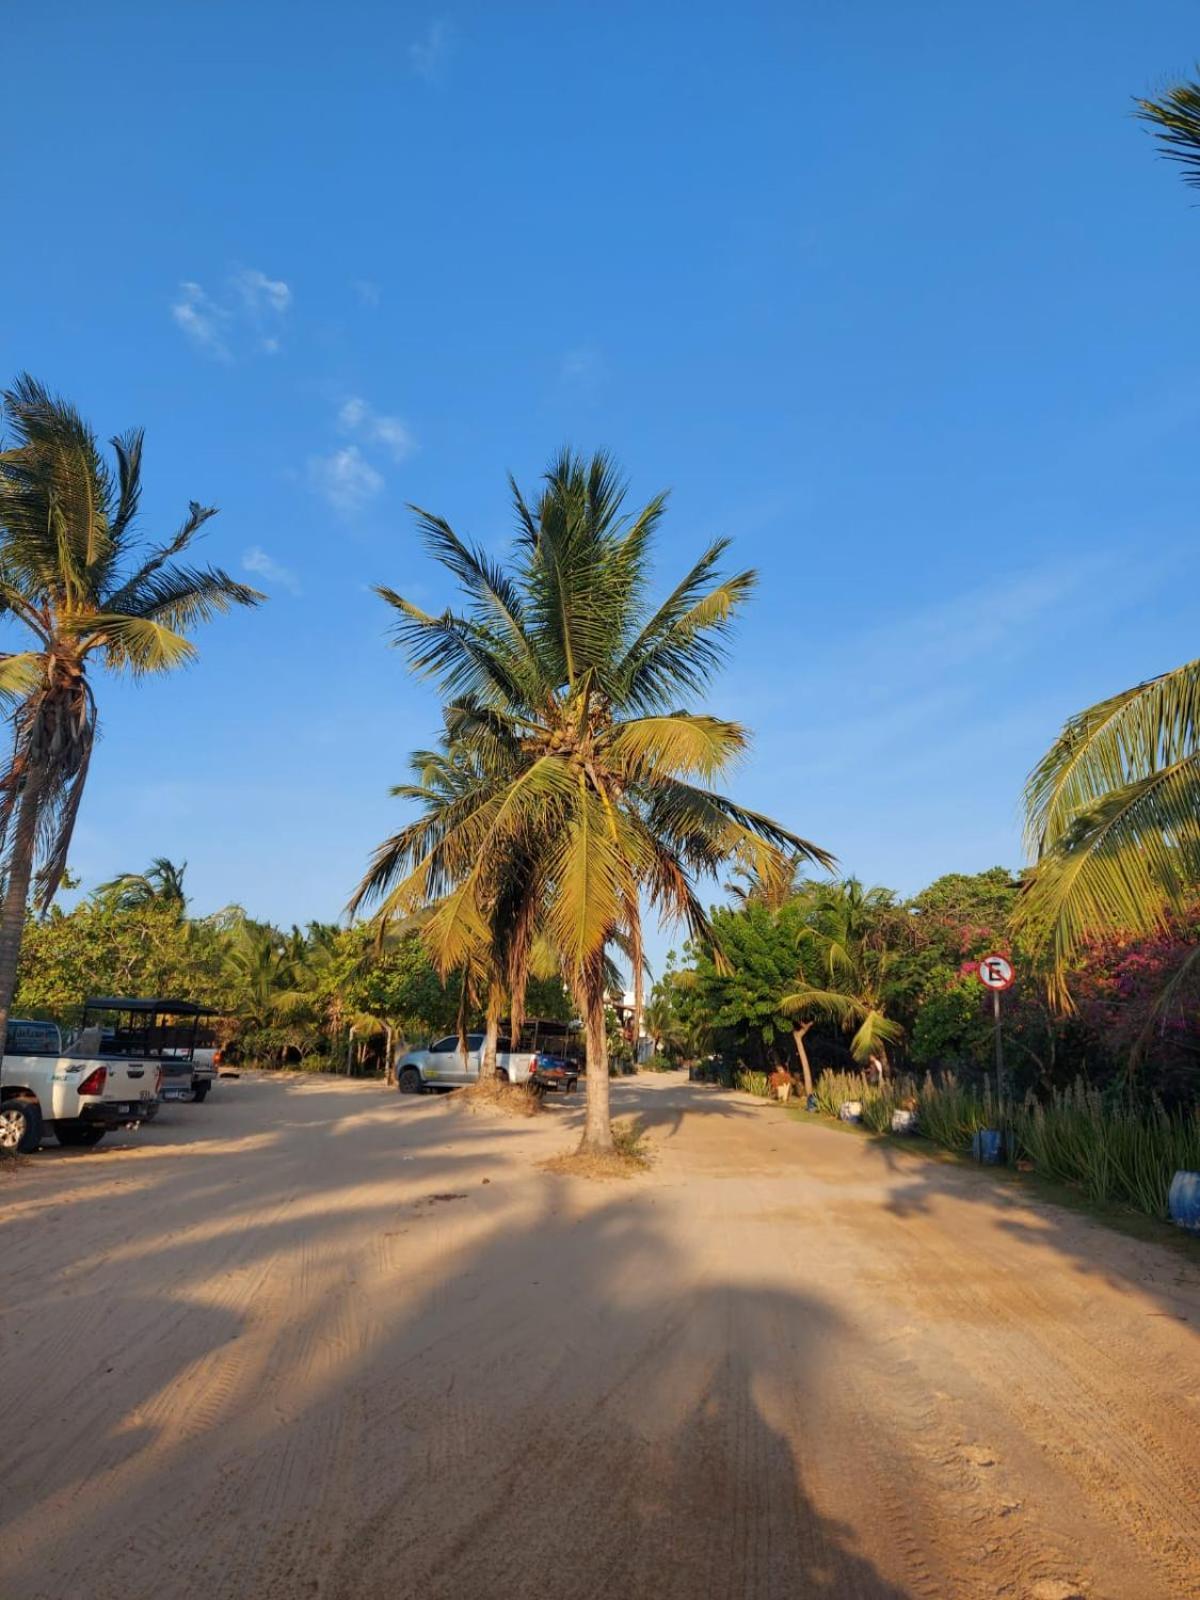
pixel 161 1007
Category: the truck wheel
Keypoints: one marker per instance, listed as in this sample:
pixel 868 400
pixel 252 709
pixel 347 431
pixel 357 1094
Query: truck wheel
pixel 501 1074
pixel 410 1081
pixel 200 1091
pixel 75 1132
pixel 20 1127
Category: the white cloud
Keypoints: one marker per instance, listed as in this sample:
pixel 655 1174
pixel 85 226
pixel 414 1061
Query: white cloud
pixel 257 560
pixel 252 308
pixel 427 56
pixel 202 320
pixel 260 293
pixel 357 416
pixel 346 479
pixel 368 293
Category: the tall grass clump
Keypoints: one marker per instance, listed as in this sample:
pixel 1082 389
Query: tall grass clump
pixel 833 1089
pixel 753 1083
pixel 951 1113
pixel 1117 1153
pixel 1121 1153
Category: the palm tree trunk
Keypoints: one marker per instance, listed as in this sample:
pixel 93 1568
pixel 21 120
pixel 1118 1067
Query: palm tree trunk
pixel 487 1061
pixel 389 1065
pixel 798 1033
pixel 597 1127
pixel 16 894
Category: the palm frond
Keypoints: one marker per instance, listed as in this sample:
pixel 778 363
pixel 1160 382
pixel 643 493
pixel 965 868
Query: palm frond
pixel 20 674
pixel 137 643
pixel 1116 741
pixel 1122 864
pixel 1175 120
pixel 126 596
pixel 677 746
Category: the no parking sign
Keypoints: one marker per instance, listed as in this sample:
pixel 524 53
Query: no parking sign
pixel 996 972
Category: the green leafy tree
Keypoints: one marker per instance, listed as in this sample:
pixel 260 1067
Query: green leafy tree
pixel 739 977
pixel 952 1026
pixel 73 578
pixel 97 949
pixel 588 787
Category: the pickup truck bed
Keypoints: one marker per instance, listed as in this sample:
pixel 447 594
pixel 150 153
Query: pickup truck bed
pixel 77 1098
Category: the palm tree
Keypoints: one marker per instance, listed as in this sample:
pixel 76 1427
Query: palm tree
pixel 1113 807
pixel 1113 819
pixel 160 884
pixel 71 574
pixel 855 962
pixel 588 787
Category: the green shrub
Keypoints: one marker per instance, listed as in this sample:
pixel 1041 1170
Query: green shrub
pixel 753 1083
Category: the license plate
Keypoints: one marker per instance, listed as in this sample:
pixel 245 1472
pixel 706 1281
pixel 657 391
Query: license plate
pixel 123 1110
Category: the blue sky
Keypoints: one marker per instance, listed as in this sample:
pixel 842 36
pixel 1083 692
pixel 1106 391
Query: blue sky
pixel 898 296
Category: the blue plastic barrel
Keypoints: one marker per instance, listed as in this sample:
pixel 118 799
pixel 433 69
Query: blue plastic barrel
pixel 1183 1203
pixel 985 1146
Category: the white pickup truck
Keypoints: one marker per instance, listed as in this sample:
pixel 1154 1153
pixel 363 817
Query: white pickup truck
pixel 76 1093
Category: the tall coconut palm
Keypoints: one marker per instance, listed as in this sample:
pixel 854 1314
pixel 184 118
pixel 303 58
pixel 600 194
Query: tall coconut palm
pixel 1113 807
pixel 589 787
pixel 72 576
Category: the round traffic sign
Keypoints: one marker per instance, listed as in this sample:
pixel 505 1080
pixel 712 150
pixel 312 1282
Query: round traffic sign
pixel 996 972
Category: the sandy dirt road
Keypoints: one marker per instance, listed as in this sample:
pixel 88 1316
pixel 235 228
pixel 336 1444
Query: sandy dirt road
pixel 313 1339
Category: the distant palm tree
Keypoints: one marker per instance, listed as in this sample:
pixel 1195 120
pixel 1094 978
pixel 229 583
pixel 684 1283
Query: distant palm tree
pixel 562 686
pixel 72 576
pixel 1113 807
pixel 846 947
pixel 160 884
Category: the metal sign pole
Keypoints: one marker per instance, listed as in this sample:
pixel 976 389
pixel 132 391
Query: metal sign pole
pixel 999 1046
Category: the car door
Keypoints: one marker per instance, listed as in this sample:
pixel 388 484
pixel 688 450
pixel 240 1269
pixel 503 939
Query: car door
pixel 470 1063
pixel 441 1062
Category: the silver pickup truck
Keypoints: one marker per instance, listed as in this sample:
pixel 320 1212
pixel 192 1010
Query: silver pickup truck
pixel 444 1065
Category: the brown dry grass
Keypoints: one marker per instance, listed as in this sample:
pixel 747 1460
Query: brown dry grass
pixel 513 1099
pixel 629 1155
